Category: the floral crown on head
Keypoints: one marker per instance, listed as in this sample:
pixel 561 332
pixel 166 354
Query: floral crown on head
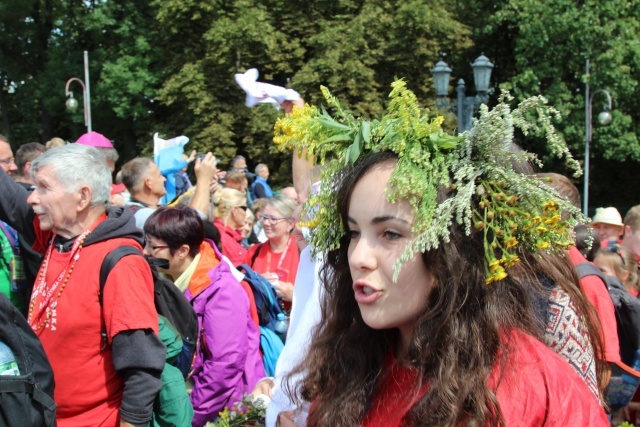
pixel 511 209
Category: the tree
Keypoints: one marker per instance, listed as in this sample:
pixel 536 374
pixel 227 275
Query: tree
pixel 541 48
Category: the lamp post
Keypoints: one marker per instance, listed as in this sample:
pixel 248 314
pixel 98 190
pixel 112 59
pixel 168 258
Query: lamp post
pixel 465 106
pixel 604 118
pixel 72 103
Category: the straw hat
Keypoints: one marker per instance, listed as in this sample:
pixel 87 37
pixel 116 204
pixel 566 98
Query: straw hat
pixel 608 215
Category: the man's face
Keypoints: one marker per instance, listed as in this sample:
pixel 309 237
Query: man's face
pixel 7 162
pixel 57 209
pixel 241 186
pixel 631 241
pixel 264 173
pixel 240 164
pixel 156 181
pixel 608 231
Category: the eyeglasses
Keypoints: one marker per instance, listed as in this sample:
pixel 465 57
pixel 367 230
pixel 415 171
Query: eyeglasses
pixel 8 160
pixel 155 248
pixel 272 219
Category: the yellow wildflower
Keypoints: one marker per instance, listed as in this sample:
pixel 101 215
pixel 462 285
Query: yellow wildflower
pixel 494 263
pixel 553 220
pixel 498 274
pixel 550 206
pixel 542 244
pixel 511 260
pixel 511 242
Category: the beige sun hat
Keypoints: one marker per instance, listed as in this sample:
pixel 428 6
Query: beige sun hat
pixel 608 215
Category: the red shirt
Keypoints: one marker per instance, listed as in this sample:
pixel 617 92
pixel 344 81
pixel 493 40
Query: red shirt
pixel 284 263
pixel 538 389
pixel 598 295
pixel 88 390
pixel 230 241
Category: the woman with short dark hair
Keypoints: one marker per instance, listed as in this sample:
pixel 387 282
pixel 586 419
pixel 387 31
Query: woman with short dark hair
pixel 227 362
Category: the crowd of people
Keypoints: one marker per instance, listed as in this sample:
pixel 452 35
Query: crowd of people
pixel 427 279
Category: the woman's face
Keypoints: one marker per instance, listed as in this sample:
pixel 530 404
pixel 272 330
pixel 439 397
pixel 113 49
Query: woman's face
pixel 158 248
pixel 246 227
pixel 276 226
pixel 605 265
pixel 238 214
pixel 379 232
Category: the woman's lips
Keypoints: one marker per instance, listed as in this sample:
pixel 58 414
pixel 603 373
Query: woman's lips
pixel 365 294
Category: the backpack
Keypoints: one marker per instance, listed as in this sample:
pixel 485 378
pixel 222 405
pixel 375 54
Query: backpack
pixel 169 301
pixel 15 266
pixel 627 309
pixel 25 400
pixel 268 305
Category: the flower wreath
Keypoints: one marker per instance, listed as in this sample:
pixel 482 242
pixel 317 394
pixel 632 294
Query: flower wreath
pixel 510 208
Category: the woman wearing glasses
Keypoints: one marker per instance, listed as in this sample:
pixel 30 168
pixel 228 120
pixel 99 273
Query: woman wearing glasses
pixel 277 258
pixel 230 211
pixel 227 362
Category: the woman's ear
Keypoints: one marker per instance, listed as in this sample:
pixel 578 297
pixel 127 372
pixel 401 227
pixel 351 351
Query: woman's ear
pixel 183 251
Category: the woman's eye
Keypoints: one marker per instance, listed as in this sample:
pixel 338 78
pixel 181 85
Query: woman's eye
pixel 391 235
pixel 353 234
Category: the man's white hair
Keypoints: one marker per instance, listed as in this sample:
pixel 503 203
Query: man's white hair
pixel 75 165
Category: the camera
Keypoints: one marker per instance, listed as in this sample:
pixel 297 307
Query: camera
pixel 202 156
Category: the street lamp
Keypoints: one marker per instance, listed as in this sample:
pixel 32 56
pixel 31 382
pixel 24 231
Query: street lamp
pixel 604 118
pixel 465 106
pixel 72 103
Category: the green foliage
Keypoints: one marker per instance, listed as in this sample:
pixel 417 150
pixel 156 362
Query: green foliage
pixel 167 66
pixel 541 48
pixel 512 210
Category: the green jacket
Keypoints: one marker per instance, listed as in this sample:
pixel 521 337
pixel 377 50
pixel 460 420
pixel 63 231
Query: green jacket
pixel 19 298
pixel 172 407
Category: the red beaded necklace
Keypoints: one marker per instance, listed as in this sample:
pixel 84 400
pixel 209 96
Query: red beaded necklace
pixel 47 295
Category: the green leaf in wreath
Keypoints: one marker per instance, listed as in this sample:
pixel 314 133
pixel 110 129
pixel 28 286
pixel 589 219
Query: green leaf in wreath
pixel 337 138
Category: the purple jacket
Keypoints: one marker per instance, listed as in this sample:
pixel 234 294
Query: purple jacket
pixel 228 362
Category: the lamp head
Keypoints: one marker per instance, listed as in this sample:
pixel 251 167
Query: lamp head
pixel 604 118
pixel 482 68
pixel 71 104
pixel 441 75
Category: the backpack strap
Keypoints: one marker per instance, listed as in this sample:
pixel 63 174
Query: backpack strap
pixel 110 261
pixel 585 269
pixel 255 255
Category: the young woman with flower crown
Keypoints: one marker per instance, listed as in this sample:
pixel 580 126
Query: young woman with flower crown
pixel 436 249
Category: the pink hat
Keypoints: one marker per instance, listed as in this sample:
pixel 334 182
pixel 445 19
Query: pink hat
pixel 94 139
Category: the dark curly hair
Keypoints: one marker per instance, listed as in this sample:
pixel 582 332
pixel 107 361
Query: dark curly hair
pixel 457 341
